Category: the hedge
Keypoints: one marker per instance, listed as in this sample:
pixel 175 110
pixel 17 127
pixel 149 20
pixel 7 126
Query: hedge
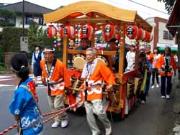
pixel 10 39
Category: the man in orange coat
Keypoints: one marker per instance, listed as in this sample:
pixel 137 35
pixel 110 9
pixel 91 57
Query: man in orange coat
pixel 166 66
pixel 54 75
pixel 95 73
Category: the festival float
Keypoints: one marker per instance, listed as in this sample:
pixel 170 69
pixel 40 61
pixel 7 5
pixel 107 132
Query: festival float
pixel 84 24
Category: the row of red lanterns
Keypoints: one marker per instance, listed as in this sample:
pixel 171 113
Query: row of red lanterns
pixel 134 32
pixel 109 31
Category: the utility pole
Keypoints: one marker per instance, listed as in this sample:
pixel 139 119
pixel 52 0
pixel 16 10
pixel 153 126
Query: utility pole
pixel 23 19
pixel 23 38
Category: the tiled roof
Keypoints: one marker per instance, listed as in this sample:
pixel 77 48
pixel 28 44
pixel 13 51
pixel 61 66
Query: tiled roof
pixel 29 7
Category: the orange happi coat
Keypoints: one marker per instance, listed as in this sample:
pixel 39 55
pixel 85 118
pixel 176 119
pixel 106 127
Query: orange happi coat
pixel 161 65
pixel 155 60
pixel 59 72
pixel 100 73
pixel 150 57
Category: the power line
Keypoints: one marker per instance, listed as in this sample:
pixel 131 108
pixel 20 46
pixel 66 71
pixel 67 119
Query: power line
pixel 148 7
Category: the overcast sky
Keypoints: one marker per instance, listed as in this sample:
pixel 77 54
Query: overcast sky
pixel 145 12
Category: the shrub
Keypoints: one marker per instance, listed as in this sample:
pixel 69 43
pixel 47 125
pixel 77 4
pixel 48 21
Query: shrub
pixel 10 39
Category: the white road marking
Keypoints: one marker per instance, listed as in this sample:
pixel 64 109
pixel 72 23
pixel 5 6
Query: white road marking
pixel 4 79
pixel 3 85
pixel 3 76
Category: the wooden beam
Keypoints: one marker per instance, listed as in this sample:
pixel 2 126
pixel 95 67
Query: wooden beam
pixel 85 20
pixel 65 39
pixel 107 53
pixel 122 50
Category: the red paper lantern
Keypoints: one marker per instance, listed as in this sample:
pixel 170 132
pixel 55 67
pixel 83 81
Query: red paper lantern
pixel 87 31
pixel 69 31
pixel 60 32
pixel 108 32
pixel 148 36
pixel 51 31
pixel 132 32
pixel 140 34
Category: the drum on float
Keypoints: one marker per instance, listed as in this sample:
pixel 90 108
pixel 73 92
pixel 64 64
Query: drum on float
pixel 102 59
pixel 79 61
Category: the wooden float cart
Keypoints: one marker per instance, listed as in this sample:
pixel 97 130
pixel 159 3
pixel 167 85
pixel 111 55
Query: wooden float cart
pixel 98 15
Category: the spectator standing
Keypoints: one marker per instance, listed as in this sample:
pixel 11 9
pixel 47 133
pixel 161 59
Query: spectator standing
pixel 149 60
pixel 36 58
pixel 166 67
pixel 155 74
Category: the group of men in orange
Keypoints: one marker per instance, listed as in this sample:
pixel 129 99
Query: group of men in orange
pixel 94 74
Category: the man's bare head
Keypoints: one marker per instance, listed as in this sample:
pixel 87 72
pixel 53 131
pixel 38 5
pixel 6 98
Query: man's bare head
pixel 90 54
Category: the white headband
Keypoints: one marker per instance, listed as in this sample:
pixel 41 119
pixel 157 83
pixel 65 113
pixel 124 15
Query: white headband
pixel 48 50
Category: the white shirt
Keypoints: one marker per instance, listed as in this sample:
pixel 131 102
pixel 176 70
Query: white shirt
pixel 88 69
pixel 130 57
pixel 155 59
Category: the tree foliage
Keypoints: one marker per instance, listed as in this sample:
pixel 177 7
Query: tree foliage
pixel 10 39
pixel 7 18
pixel 168 4
pixel 37 37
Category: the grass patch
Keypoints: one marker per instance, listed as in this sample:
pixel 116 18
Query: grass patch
pixel 2 68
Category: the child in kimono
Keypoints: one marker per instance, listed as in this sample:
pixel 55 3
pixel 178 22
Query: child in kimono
pixel 24 106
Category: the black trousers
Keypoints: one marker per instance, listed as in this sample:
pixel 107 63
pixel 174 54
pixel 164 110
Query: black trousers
pixel 155 76
pixel 166 85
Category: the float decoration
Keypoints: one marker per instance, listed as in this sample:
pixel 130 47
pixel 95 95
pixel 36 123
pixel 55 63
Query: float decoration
pixel 51 31
pixel 132 32
pixel 108 32
pixel 87 31
pixel 140 34
pixel 148 36
pixel 68 31
pixel 77 35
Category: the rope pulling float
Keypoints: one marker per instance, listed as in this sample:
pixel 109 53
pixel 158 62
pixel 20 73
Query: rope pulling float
pixel 52 114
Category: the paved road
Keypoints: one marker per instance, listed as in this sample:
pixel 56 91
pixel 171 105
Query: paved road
pixel 152 118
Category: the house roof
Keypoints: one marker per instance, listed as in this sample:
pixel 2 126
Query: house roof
pixel 173 24
pixel 78 9
pixel 29 8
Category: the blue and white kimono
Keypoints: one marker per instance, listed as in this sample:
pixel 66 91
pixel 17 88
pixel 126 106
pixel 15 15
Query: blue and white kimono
pixel 24 105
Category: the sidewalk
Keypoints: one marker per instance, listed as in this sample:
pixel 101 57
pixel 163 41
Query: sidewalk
pixel 176 107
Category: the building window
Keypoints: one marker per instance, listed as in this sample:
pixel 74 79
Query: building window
pixel 170 36
pixel 167 35
pixel 29 19
pixel 37 19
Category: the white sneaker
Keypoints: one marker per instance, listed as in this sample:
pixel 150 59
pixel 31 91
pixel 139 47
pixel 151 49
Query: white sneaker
pixel 157 85
pixel 163 97
pixel 64 123
pixel 143 102
pixel 168 96
pixel 55 124
pixel 152 86
pixel 108 131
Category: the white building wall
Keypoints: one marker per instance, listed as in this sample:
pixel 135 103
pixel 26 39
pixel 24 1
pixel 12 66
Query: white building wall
pixel 162 27
pixel 151 21
pixel 19 22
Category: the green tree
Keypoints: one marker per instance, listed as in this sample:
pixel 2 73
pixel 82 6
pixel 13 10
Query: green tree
pixel 37 37
pixel 168 4
pixel 7 18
